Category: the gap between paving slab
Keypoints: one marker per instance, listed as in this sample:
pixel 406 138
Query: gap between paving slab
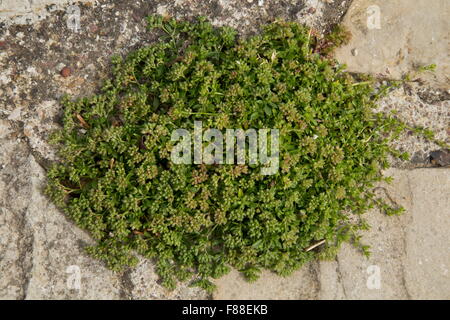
pixel 28 12
pixel 411 251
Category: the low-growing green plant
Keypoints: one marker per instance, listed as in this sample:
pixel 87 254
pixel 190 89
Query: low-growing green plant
pixel 115 177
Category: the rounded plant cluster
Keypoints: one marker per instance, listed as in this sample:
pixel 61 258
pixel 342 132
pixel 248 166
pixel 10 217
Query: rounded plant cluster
pixel 115 177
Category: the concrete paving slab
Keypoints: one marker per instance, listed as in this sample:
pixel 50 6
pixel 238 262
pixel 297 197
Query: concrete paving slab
pixel 395 37
pixel 410 253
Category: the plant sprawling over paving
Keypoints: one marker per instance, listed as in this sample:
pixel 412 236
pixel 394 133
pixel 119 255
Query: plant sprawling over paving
pixel 115 177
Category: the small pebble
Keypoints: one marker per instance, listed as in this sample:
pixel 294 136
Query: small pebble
pixel 354 52
pixel 65 72
pixel 93 28
pixel 440 158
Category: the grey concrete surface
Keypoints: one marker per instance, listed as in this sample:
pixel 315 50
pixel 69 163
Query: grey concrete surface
pixel 31 11
pixel 410 253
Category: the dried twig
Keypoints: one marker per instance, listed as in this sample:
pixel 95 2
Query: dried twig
pixel 315 245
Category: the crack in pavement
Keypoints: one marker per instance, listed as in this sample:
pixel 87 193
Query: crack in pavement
pixel 340 277
pixel 126 285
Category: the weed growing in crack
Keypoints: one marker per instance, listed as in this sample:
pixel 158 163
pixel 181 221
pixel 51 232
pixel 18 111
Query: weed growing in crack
pixel 115 177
